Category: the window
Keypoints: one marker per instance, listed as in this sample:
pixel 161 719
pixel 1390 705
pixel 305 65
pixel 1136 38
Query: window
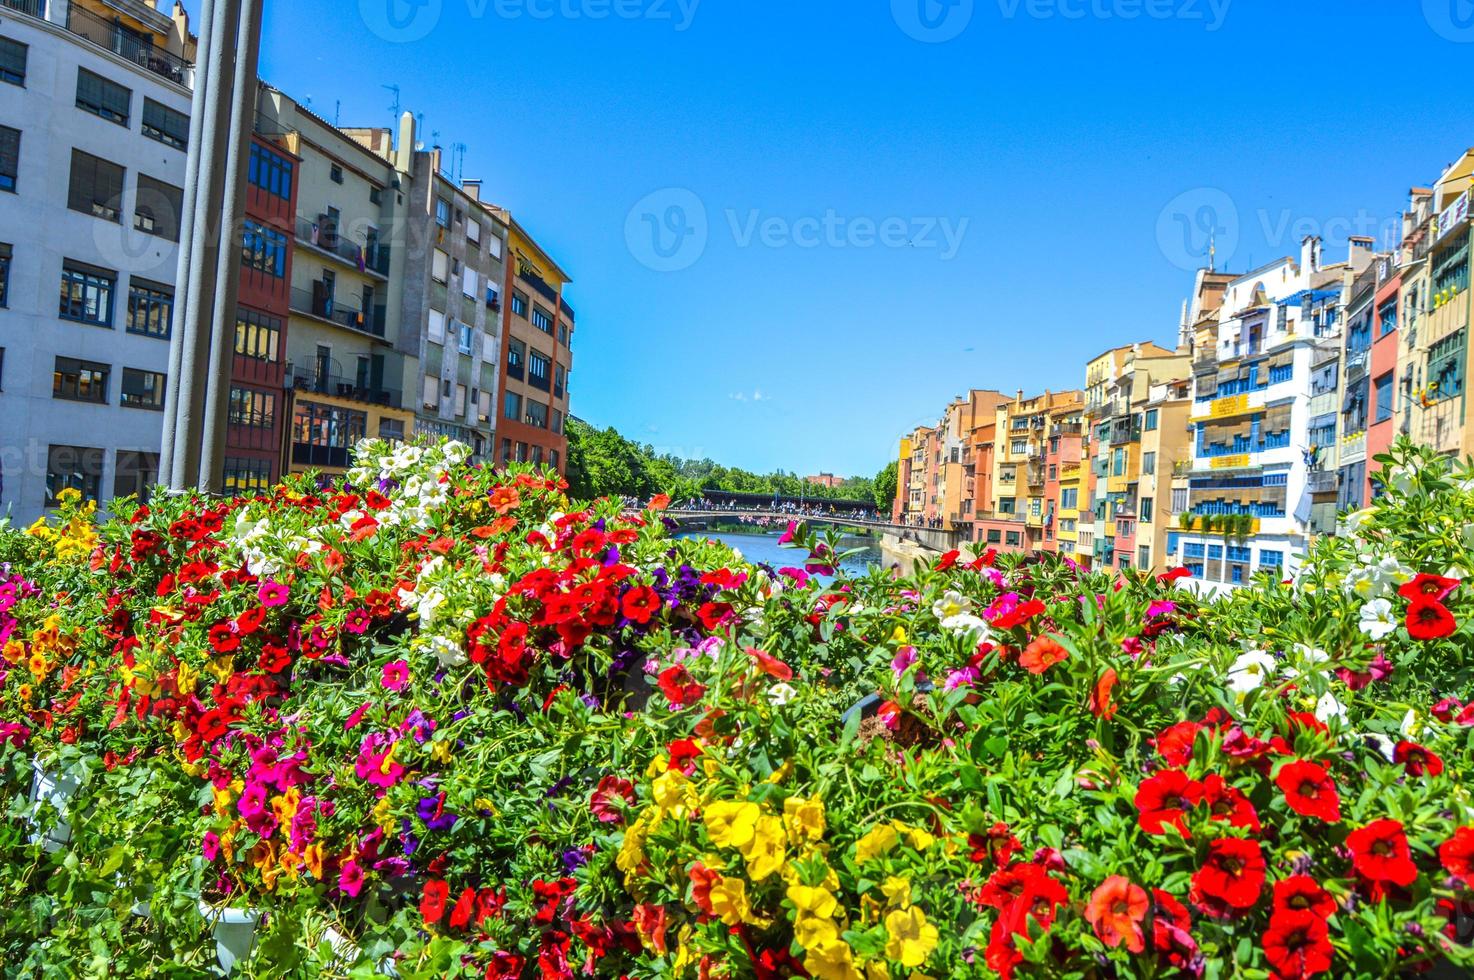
pixel 391 429
pixel 135 475
pixel 257 335
pixel 271 172
pixel 96 186
pixel 538 366
pixel 1118 463
pixel 1148 508
pixel 442 212
pixel 553 458
pixel 9 157
pixel 1149 420
pixel 542 319
pixel 336 174
pixel 430 392
pixel 150 308
pixel 483 406
pixel 1271 559
pixel 103 98
pixel 560 380
pixel 440 266
pixel 87 294
pixel 1014 539
pixel 12 61
pixel 79 381
pixel 470 283
pixel 537 414
pixel 250 408
pixel 519 304
pixel 506 451
pixel 995 536
pixel 158 209
pixel 4 274
pixel 460 400
pixel 516 355
pixel 1384 397
pixel 324 435
pixel 563 334
pixel 1148 464
pixel 246 476
pixel 473 234
pixel 172 128
pixel 437 327
pixel 466 342
pixel 264 249
pixel 1069 498
pixel 142 389
pixel 72 468
pixel 1144 557
pixel 557 422
pixel 1006 505
pixel 512 406
pixel 1123 560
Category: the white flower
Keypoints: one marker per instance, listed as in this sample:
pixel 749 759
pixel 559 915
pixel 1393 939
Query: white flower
pixel 1353 523
pixel 1412 725
pixel 1383 745
pixel 1377 620
pixel 780 694
pixel 427 606
pixel 1328 707
pixel 965 624
pixel 1309 658
pixel 951 604
pixel 447 651
pixel 1251 670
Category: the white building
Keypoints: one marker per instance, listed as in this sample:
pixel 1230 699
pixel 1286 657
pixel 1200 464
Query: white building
pixel 94 104
pixel 1255 464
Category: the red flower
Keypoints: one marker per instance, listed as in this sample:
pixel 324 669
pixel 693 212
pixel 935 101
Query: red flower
pixel 998 845
pixel 460 914
pixel 1042 654
pixel 948 560
pixel 1457 855
pixel 1171 935
pixel 1177 573
pixel 659 502
pixel 678 687
pixel 1116 911
pixel 1100 699
pixel 714 614
pixel 223 638
pixel 1175 744
pixel 1429 619
pixel 683 753
pixel 250 621
pixel 1297 945
pixel 1381 854
pixel 1228 803
pixel 610 788
pixel 1165 799
pixel 1299 893
pixel 504 500
pixel 1019 615
pixel 432 901
pixel 1417 760
pixel 640 604
pixel 770 665
pixel 1425 586
pixel 1231 878
pixel 1309 790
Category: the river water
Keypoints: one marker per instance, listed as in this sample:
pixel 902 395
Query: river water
pixel 763 549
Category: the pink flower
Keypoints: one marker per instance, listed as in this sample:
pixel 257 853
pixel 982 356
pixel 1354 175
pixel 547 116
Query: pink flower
pixel 210 846
pixel 1160 608
pixel 350 878
pixel 273 594
pixel 787 536
pixel 903 661
pixel 966 677
pixel 357 716
pixel 357 622
pixel 395 676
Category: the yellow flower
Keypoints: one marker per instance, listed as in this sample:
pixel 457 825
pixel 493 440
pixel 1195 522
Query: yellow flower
pixel 14 650
pixel 673 794
pixel 812 931
pixel 879 840
pixel 897 890
pixel 312 857
pixel 815 901
pixel 899 636
pixel 909 937
pixel 804 818
pixel 729 901
pixel 731 824
pixel 186 678
pixel 440 751
pixel 767 849
pixel 832 960
pixel 781 773
pixel 877 970
pixel 38 666
pixel 916 837
pixel 632 851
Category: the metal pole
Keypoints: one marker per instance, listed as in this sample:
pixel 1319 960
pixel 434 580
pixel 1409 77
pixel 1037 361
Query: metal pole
pixel 228 278
pixel 186 242
pixel 205 249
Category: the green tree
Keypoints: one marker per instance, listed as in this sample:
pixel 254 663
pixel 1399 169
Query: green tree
pixel 884 487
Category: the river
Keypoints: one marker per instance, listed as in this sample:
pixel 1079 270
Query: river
pixel 763 549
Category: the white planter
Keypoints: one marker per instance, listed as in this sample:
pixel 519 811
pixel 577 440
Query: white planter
pixel 346 953
pixel 234 931
pixel 47 788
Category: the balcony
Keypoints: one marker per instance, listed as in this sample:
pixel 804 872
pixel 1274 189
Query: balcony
pixel 1354 447
pixel 1323 481
pixel 129 45
pixel 317 303
pixel 541 288
pixel 356 389
pixel 323 235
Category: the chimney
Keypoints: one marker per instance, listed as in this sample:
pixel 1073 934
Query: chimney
pixel 406 161
pixel 1310 254
pixel 472 188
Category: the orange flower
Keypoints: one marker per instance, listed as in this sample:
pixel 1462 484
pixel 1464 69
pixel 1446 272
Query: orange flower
pixel 504 500
pixel 1100 699
pixel 1042 654
pixel 1116 911
pixel 659 502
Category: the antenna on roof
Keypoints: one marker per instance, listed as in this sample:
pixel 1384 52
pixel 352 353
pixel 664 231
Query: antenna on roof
pixel 1213 251
pixel 395 107
pixel 337 111
pixel 458 150
pixel 419 128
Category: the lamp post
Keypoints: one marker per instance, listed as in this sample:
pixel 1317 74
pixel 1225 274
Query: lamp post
pixel 208 274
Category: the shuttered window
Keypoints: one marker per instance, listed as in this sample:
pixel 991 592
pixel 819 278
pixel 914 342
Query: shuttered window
pixel 165 125
pixel 96 186
pixel 102 97
pixel 9 157
pixel 12 61
pixel 158 209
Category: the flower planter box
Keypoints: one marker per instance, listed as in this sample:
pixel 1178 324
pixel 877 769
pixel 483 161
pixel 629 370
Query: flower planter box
pixel 55 791
pixel 234 931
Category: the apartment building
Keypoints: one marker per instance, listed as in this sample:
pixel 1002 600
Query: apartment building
pixel 1165 445
pixel 1064 447
pixel 921 456
pixel 1024 499
pixel 537 354
pixel 1386 381
pixel 94 122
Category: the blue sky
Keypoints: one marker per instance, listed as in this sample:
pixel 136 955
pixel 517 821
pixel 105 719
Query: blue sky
pixel 858 217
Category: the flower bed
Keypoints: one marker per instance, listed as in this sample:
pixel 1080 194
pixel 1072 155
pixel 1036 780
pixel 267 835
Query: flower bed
pixel 445 722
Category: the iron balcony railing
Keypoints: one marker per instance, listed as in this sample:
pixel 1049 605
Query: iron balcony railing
pixel 314 302
pixel 547 292
pixel 1323 481
pixel 108 35
pixel 323 235
pixel 341 387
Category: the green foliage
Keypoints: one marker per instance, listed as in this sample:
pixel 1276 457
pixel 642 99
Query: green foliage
pixel 886 487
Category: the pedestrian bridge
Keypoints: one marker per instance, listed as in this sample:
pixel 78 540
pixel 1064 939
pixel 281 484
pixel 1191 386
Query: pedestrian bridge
pixel 933 539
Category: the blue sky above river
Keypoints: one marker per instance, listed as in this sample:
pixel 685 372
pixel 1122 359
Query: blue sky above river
pixel 797 229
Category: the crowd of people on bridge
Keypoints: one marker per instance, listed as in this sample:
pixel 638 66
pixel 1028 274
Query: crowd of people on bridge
pixel 929 523
pixel 825 510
